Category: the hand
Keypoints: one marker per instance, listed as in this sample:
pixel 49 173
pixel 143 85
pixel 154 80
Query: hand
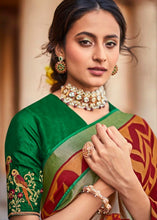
pixel 111 158
pixel 105 189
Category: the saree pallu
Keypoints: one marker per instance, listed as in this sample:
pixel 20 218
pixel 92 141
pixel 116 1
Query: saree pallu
pixel 66 172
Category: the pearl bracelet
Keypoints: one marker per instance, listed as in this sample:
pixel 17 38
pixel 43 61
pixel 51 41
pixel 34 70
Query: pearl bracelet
pixel 106 207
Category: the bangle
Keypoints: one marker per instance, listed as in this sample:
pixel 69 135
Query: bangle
pixel 105 207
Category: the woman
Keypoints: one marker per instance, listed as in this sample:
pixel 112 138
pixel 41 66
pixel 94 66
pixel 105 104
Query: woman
pixel 114 176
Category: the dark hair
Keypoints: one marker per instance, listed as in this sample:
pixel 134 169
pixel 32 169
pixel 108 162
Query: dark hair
pixel 68 12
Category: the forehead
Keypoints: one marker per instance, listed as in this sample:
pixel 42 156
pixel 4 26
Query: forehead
pixel 98 22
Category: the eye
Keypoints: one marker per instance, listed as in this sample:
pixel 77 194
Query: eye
pixel 85 43
pixel 111 44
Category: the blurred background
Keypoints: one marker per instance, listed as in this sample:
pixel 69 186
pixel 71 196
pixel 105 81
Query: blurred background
pixel 24 28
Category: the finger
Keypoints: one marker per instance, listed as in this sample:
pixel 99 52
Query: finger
pixel 115 135
pixel 90 162
pixel 96 142
pixel 87 149
pixel 119 140
pixel 102 125
pixel 104 137
pixel 100 148
pixel 89 153
pixel 92 158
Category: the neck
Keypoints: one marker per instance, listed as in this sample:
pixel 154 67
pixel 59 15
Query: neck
pixel 88 100
pixel 84 88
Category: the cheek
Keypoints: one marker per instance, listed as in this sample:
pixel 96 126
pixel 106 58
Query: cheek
pixel 74 56
pixel 114 58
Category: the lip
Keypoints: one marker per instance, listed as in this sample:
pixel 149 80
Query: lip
pixel 97 71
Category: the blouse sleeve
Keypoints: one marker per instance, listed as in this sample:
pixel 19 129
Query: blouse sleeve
pixel 23 166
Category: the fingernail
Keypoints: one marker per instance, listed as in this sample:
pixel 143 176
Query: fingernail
pixel 98 125
pixel 104 126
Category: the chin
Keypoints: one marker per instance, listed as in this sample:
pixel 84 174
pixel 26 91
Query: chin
pixel 98 84
pixel 92 87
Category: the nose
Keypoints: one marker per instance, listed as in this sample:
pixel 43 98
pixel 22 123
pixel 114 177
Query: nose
pixel 99 54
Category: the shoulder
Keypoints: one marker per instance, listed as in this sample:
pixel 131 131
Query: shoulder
pixel 36 110
pixel 133 123
pixel 138 131
pixel 138 123
pixel 131 118
pixel 28 119
pixel 42 104
pixel 33 118
pixel 25 127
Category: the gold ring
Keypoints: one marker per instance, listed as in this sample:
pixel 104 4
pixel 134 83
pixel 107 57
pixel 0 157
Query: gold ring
pixel 87 149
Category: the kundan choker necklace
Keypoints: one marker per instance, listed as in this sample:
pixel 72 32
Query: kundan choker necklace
pixel 87 100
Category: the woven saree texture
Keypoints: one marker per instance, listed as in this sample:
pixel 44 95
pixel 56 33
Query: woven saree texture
pixel 45 167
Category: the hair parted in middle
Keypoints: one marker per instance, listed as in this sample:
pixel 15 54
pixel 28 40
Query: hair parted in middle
pixel 66 14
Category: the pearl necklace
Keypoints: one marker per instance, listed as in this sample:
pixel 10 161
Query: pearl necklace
pixel 87 100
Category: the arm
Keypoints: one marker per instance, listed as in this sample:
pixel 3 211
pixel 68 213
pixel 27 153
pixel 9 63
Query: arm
pixel 24 172
pixel 112 154
pixel 83 207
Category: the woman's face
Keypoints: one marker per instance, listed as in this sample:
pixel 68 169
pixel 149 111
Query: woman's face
pixel 92 49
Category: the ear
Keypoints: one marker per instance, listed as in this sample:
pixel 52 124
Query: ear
pixel 59 51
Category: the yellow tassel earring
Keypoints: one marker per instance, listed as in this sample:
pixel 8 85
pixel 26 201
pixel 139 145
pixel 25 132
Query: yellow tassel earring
pixel 115 70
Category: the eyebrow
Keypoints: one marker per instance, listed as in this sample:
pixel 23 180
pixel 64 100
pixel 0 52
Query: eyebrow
pixel 94 36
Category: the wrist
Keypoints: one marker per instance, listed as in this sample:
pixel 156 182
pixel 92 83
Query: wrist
pixel 105 207
pixel 130 187
pixel 105 189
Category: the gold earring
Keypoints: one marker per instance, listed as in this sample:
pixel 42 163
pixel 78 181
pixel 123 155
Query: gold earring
pixel 115 70
pixel 60 66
